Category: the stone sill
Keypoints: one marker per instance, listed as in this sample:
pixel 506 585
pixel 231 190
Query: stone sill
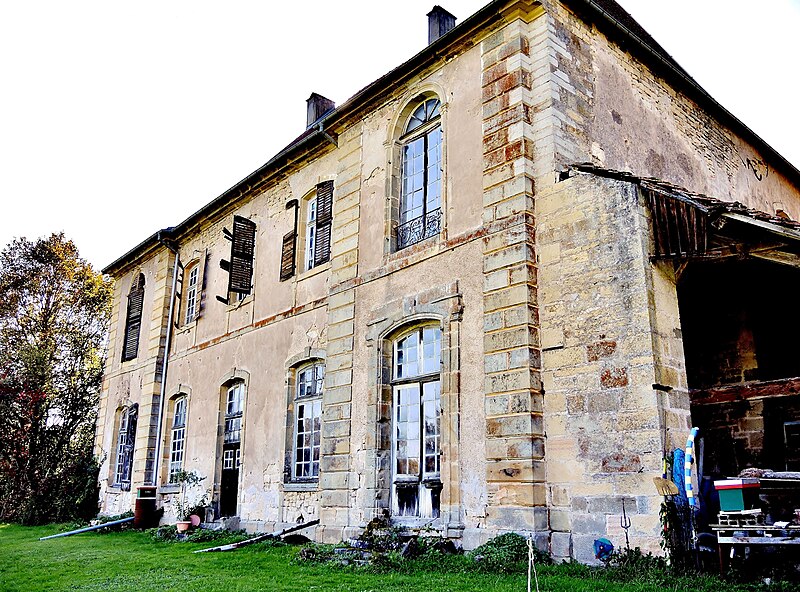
pixel 241 303
pixel 301 486
pixel 314 271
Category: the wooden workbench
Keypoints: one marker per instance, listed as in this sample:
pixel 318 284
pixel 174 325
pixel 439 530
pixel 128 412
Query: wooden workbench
pixel 730 536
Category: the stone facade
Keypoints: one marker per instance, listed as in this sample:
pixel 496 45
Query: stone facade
pixel 562 372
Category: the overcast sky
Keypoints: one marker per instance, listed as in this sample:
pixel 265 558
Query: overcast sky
pixel 118 119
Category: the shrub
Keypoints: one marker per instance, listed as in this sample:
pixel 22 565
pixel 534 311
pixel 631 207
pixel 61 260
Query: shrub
pixel 507 553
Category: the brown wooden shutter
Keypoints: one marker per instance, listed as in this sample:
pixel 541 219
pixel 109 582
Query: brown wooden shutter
pixel 201 285
pixel 322 250
pixel 240 278
pixel 287 255
pixel 133 323
pixel 289 245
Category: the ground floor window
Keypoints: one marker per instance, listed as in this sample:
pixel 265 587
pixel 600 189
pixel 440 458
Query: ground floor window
pixel 126 440
pixel 308 418
pixel 416 418
pixel 178 438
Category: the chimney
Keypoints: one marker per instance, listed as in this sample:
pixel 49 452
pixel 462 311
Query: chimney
pixel 317 107
pixel 439 22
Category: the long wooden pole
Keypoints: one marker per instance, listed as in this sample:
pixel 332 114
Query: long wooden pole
pixel 259 538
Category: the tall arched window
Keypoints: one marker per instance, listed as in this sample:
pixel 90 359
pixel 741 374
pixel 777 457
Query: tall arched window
pixel 177 437
pixel 133 319
pixel 416 418
pixel 126 440
pixel 420 214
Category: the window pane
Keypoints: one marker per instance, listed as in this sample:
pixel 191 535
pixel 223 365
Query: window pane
pixel 307 438
pixel 191 294
pixel 431 404
pixel 431 349
pixel 412 196
pixel 407 356
pixel 406 432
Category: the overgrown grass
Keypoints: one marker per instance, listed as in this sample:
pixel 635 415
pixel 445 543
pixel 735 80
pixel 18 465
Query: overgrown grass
pixel 129 560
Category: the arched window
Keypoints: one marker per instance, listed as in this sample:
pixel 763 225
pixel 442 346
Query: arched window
pixel 308 419
pixel 416 423
pixel 420 213
pixel 177 437
pixel 133 319
pixel 126 440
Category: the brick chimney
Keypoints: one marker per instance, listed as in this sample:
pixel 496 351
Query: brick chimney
pixel 317 107
pixel 439 22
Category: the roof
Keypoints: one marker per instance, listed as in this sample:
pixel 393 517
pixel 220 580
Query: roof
pixel 607 15
pixel 690 226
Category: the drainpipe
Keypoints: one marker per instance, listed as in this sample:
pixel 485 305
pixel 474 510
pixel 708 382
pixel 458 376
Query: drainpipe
pixel 165 361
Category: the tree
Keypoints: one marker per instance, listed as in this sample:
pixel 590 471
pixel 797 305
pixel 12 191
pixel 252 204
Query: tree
pixel 54 315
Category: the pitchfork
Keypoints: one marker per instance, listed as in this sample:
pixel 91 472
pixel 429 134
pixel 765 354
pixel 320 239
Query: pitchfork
pixel 625 524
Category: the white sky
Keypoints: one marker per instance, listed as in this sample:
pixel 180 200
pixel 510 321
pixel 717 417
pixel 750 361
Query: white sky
pixel 121 118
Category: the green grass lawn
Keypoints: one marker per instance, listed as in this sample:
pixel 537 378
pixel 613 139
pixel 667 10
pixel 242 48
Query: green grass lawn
pixel 133 561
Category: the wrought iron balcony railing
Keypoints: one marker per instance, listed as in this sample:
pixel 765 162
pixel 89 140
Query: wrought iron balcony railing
pixel 418 229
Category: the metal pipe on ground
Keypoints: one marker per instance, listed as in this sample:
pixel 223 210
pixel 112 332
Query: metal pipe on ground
pixel 87 529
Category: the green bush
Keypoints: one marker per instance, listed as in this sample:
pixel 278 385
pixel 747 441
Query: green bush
pixel 163 534
pixel 507 553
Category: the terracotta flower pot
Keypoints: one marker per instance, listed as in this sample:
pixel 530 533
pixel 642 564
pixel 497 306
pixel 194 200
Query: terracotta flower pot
pixel 183 525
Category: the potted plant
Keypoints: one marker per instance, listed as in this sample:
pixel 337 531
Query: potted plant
pixel 185 508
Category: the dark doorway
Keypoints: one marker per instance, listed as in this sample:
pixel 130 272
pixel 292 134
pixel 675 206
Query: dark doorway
pixel 231 451
pixel 739 327
pixel 229 485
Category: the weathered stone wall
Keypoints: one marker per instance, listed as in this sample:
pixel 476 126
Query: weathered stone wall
pixel 515 452
pixel 602 351
pixel 135 381
pixel 615 112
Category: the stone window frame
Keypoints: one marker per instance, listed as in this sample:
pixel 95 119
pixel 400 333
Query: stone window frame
pixel 442 306
pixel 293 365
pixel 394 143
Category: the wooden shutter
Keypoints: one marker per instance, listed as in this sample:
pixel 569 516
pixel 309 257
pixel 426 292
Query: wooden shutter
pixel 240 278
pixel 201 285
pixel 133 323
pixel 322 250
pixel 289 245
pixel 287 255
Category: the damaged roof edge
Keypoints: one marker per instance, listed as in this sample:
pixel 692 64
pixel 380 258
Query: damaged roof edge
pixel 655 57
pixel 711 205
